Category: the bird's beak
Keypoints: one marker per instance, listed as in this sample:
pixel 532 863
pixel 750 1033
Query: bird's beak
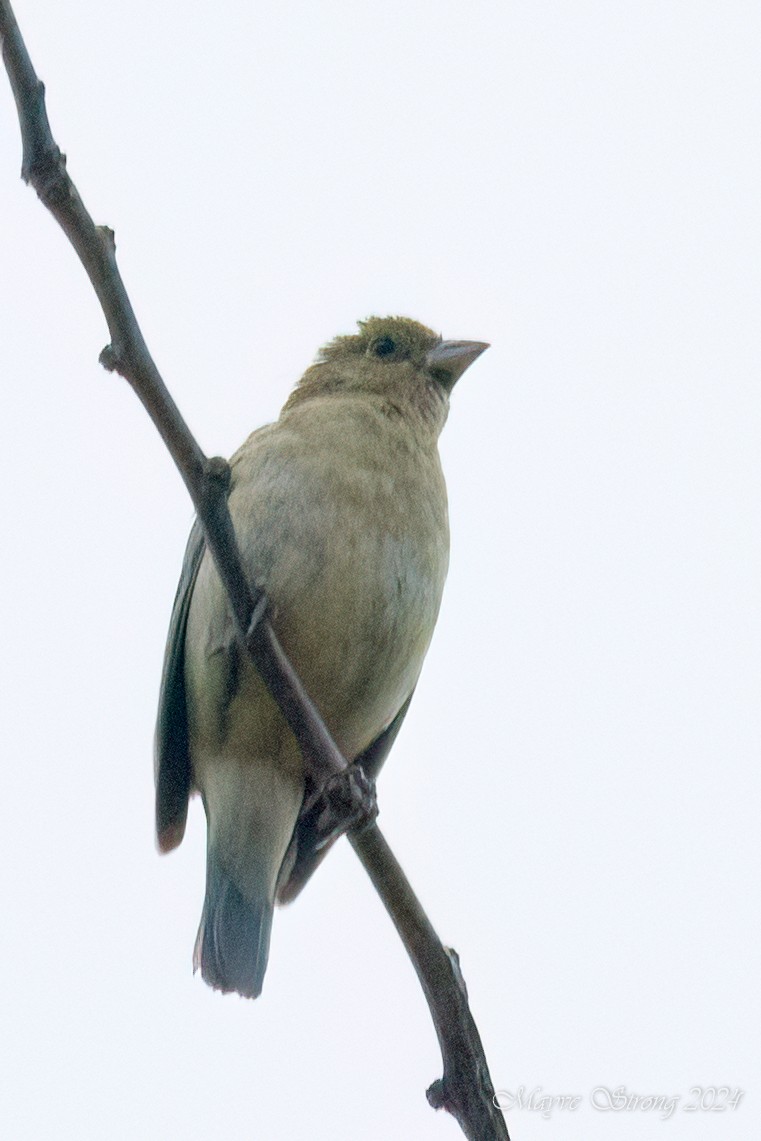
pixel 454 356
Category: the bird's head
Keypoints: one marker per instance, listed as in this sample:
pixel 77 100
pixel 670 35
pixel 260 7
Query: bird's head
pixel 396 359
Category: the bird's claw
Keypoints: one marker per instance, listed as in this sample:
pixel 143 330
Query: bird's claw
pixel 346 803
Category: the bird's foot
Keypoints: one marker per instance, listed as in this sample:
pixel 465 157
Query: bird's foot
pixel 346 803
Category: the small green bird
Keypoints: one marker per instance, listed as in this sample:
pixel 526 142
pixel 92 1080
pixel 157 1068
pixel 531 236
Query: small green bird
pixel 340 512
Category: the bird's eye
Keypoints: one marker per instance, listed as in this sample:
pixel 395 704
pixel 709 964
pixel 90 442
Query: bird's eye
pixel 384 347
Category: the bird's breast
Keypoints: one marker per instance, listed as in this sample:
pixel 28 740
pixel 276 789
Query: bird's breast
pixel 346 530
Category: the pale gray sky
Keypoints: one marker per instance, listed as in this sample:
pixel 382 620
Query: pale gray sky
pixel 575 793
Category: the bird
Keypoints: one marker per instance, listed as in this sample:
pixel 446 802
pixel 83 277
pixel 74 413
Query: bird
pixel 340 514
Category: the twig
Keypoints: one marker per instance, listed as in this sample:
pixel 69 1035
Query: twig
pixel 465 1089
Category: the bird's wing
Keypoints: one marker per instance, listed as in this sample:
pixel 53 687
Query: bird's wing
pixel 172 750
pixel 307 855
pixel 374 756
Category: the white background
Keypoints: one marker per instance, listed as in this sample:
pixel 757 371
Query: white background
pixel 575 793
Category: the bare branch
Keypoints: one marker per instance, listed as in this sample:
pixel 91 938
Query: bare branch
pixel 465 1089
pixel 207 480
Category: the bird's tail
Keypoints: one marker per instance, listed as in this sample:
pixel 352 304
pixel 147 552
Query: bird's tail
pixel 233 939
